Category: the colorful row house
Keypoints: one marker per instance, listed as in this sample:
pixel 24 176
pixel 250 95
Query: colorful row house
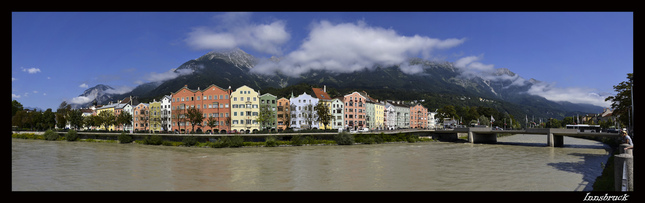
pixel 354 111
pixel 213 102
pixel 283 114
pixel 245 108
pixel 268 106
pixel 303 112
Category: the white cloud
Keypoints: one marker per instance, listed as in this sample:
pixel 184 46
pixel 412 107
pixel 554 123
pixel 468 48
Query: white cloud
pixel 15 95
pixel 470 67
pixel 83 85
pixel 13 79
pixel 349 47
pixel 171 74
pixel 570 94
pixel 81 100
pixel 30 70
pixel 236 31
pixel 119 90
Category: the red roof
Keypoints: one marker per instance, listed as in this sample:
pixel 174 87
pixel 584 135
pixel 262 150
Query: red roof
pixel 320 94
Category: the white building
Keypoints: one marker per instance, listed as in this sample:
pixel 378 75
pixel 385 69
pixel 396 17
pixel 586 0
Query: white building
pixel 390 117
pixel 432 121
pixel 128 108
pixel 303 112
pixel 337 113
pixel 166 113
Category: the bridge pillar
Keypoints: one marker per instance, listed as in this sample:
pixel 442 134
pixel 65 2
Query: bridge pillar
pixel 555 140
pixel 474 137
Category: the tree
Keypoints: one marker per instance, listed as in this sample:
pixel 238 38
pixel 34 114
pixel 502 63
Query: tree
pixel 15 107
pixel 622 102
pixel 49 119
pixel 324 114
pixel 553 123
pixel 212 122
pixel 308 113
pixel 266 115
pixel 484 120
pixel 36 119
pixel 75 118
pixel 567 121
pixel 447 111
pixel 17 119
pixel 107 118
pixel 61 114
pixel 124 118
pixel 195 117
pixel 471 114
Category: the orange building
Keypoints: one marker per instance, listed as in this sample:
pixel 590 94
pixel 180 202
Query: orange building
pixel 213 102
pixel 283 113
pixel 354 111
pixel 140 117
pixel 418 116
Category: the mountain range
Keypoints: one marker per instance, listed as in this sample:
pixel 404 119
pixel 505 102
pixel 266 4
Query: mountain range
pixel 438 85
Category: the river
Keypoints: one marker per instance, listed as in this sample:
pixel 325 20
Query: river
pixel 516 163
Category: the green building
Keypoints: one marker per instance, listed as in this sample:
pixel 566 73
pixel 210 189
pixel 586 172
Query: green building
pixel 268 115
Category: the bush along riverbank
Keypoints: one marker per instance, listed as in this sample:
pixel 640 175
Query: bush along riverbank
pixel 233 141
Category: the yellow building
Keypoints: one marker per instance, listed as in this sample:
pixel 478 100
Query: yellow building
pixel 379 115
pixel 245 109
pixel 323 97
pixel 109 109
pixel 155 121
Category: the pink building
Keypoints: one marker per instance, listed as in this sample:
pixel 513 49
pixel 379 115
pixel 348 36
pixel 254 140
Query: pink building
pixel 418 116
pixel 354 111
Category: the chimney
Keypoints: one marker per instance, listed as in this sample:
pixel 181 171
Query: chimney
pixel 324 88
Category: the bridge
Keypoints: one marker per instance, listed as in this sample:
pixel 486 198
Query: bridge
pixel 555 136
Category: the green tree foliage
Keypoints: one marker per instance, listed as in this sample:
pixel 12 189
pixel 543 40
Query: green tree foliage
pixel 61 114
pixel 553 123
pixel 75 118
pixel 622 102
pixel 50 135
pixel 195 117
pixel 15 107
pixel 124 119
pixel 107 118
pixel 266 115
pixel 189 141
pixel 447 111
pixel 212 122
pixel 49 119
pixel 72 135
pixel 125 138
pixel 344 138
pixel 324 114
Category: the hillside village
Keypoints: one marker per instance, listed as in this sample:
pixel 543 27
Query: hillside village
pixel 245 110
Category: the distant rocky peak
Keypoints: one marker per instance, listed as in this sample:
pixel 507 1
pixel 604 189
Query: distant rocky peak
pixel 235 56
pixel 100 88
pixel 504 71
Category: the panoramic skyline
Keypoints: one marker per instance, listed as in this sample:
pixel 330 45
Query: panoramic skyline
pixel 58 55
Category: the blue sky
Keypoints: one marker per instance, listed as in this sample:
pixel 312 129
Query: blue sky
pixel 578 55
